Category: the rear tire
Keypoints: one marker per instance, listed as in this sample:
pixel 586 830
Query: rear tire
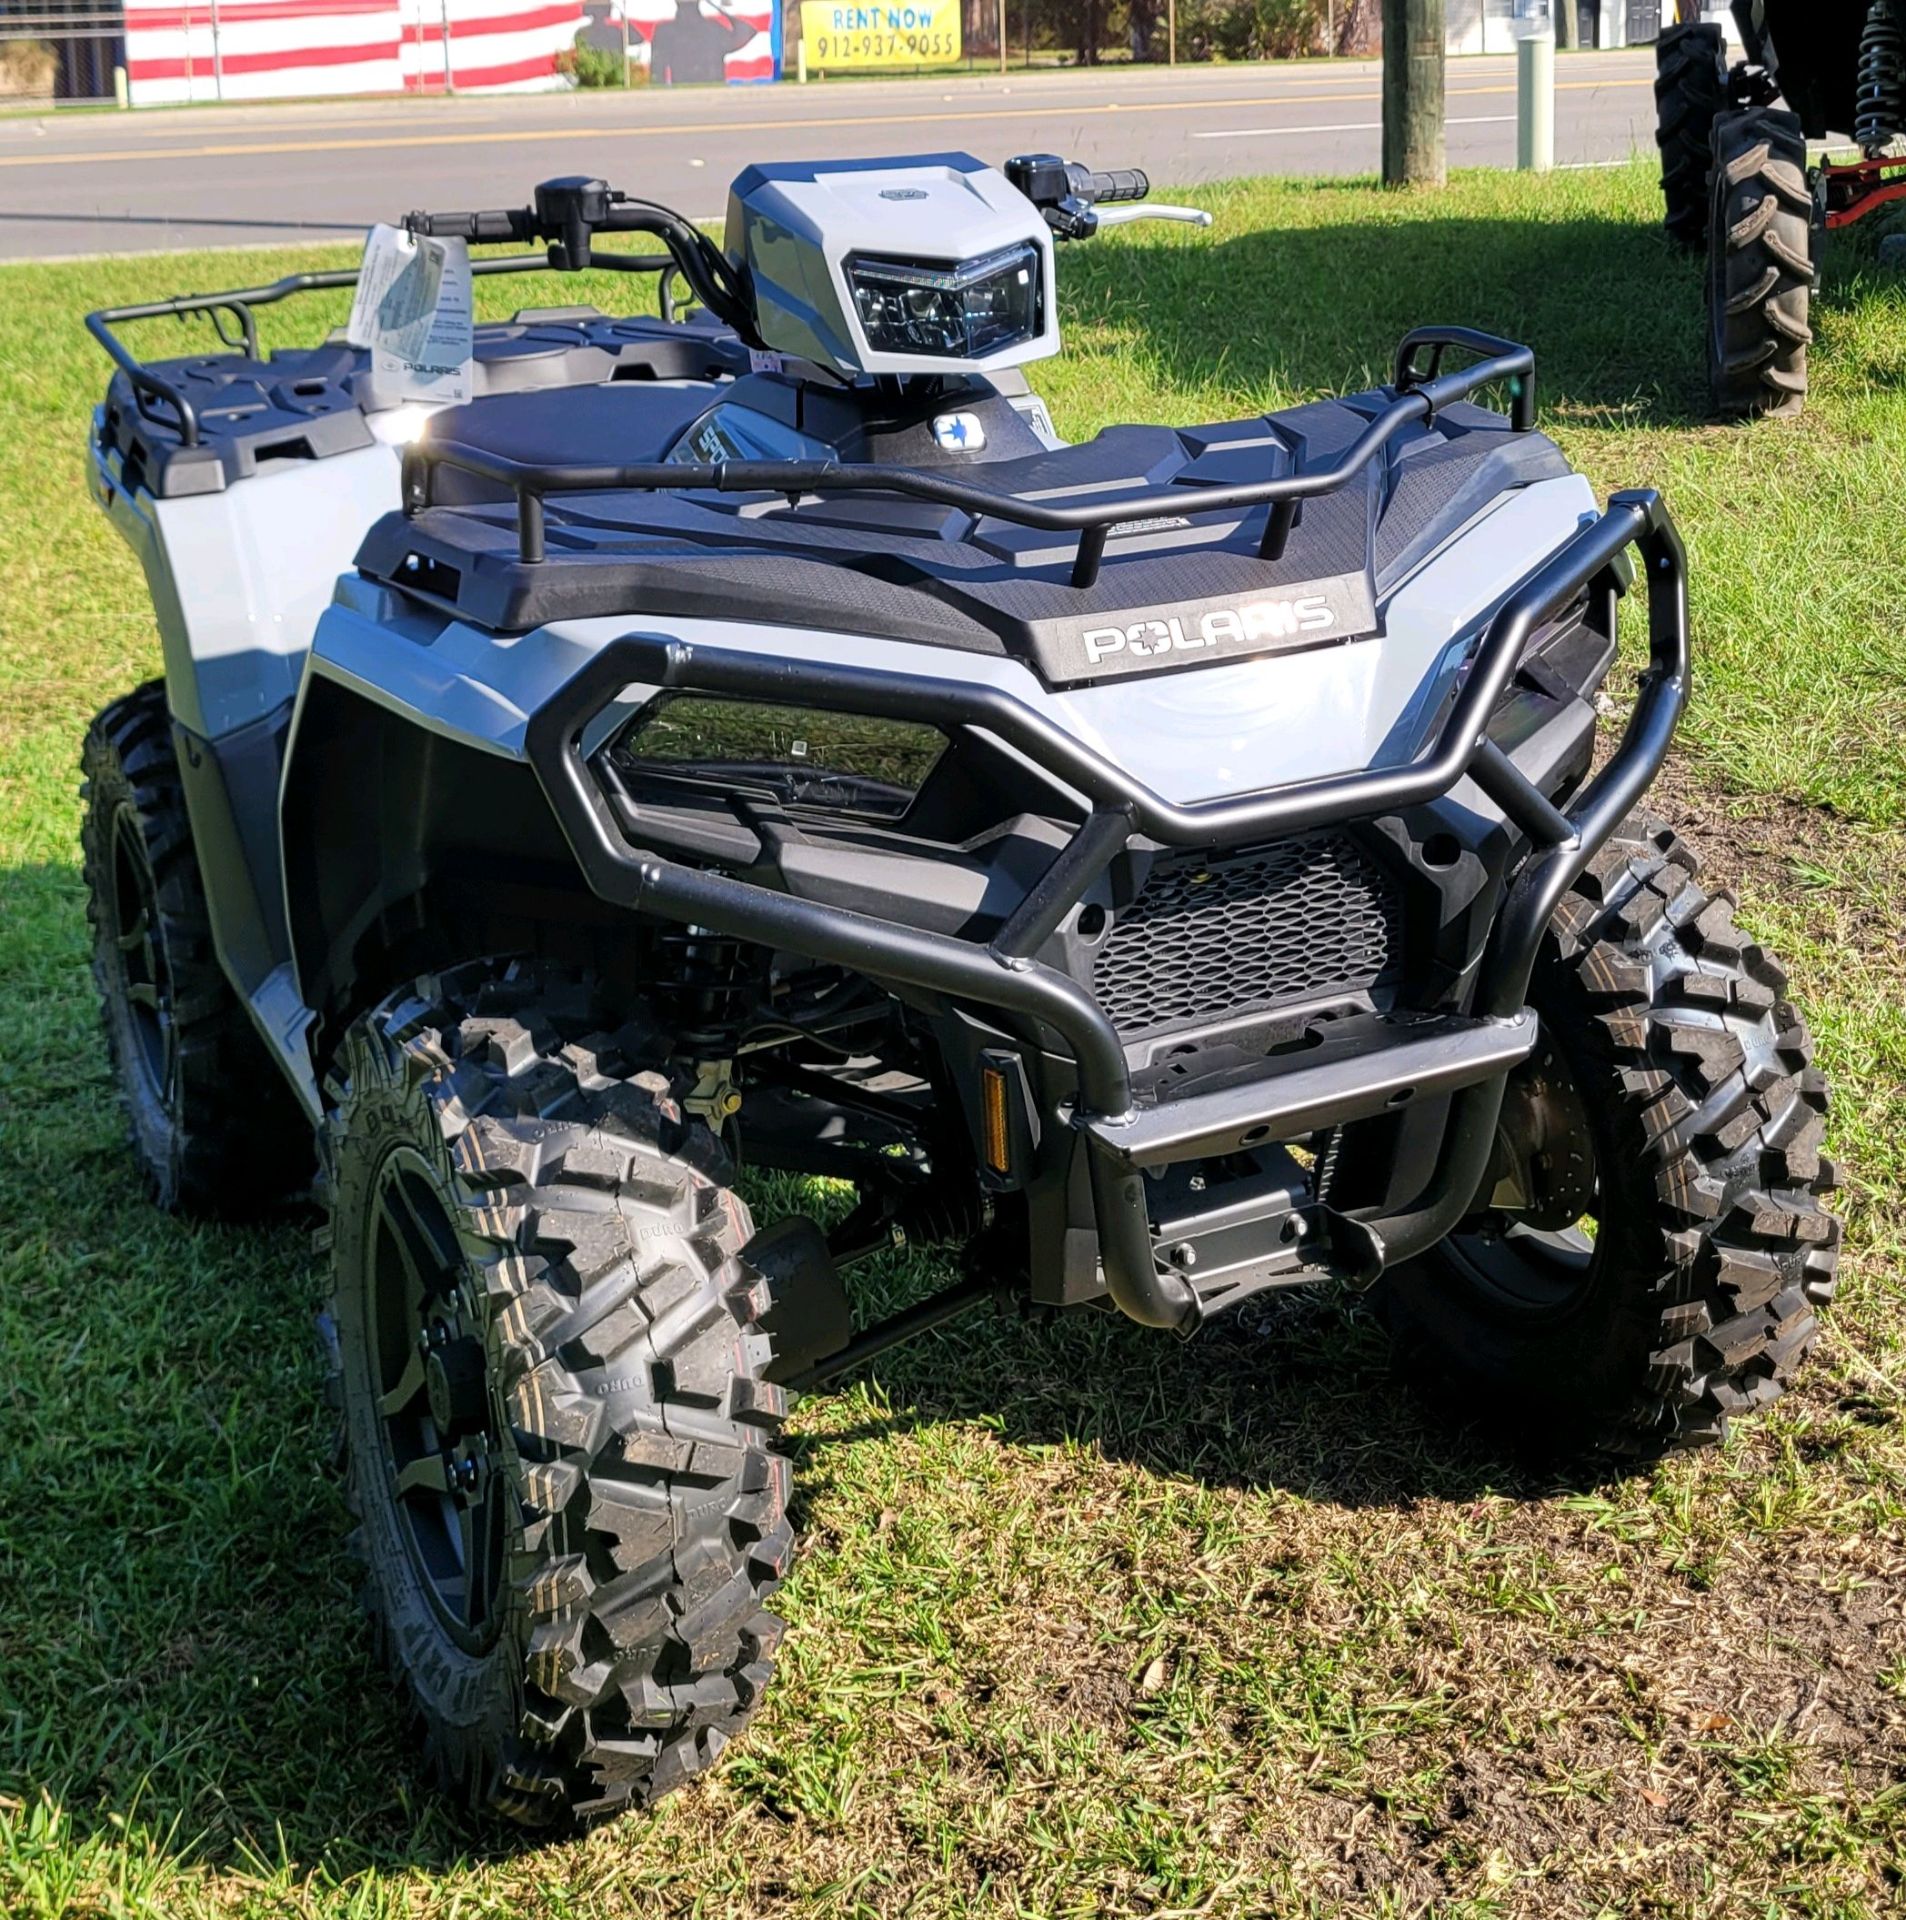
pixel 1760 264
pixel 1690 92
pixel 1696 1298
pixel 558 1433
pixel 216 1129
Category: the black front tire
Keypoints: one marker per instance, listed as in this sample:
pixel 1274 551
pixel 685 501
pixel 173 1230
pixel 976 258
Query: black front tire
pixel 1690 94
pixel 1760 264
pixel 1712 1253
pixel 216 1128
pixel 558 1430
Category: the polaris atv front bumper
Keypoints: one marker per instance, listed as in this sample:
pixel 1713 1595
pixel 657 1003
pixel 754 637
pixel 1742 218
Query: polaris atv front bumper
pixel 1465 1058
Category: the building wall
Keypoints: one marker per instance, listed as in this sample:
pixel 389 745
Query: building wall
pixel 195 50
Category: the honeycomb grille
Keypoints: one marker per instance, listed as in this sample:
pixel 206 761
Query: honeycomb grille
pixel 1215 940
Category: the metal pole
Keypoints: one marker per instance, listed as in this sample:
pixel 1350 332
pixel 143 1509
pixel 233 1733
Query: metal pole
pixel 1535 102
pixel 1002 36
pixel 449 80
pixel 218 64
pixel 800 47
pixel 1171 33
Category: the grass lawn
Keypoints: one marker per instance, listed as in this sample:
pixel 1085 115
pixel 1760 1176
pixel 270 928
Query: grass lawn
pixel 1086 1621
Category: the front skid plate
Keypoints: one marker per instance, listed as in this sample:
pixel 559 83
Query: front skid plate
pixel 1285 1102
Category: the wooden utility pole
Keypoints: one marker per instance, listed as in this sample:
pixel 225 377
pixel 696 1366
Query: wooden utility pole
pixel 1413 153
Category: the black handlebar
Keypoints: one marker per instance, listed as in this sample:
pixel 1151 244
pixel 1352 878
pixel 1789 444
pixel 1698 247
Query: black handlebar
pixel 568 213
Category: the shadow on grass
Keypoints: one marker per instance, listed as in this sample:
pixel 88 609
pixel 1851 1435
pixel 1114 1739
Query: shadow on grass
pixel 182 1665
pixel 1295 1391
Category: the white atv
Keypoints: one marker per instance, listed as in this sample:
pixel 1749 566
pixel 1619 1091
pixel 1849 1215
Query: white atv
pixel 1158 870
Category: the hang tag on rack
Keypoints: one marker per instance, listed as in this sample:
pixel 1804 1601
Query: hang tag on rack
pixel 413 311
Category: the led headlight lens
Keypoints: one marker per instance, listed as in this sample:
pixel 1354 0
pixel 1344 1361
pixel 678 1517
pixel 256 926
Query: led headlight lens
pixel 959 312
pixel 799 756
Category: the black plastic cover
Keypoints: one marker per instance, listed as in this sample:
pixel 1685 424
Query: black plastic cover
pixel 1179 591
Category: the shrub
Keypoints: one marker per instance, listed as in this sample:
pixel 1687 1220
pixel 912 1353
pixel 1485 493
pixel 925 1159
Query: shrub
pixel 27 70
pixel 589 65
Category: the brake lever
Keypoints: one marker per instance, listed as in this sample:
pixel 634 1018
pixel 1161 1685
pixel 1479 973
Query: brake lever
pixel 1124 216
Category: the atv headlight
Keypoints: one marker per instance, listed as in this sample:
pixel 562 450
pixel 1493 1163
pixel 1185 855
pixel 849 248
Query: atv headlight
pixel 962 311
pixel 798 756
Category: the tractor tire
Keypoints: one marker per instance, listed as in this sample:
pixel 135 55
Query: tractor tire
pixel 1696 1136
pixel 558 1437
pixel 1760 264
pixel 1690 93
pixel 216 1129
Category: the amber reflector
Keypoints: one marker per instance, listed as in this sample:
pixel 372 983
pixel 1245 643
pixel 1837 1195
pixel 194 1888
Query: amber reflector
pixel 992 1082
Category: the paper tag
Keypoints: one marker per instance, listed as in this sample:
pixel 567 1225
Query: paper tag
pixel 762 361
pixel 413 311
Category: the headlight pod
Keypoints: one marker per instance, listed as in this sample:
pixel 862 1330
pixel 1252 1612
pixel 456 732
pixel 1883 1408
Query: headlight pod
pixel 796 756
pixel 963 311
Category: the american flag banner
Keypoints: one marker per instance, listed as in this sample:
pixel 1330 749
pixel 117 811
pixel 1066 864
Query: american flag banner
pixel 198 50
pixel 684 41
pixel 492 45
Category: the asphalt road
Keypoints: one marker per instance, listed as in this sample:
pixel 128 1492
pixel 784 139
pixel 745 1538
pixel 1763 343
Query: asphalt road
pixel 121 183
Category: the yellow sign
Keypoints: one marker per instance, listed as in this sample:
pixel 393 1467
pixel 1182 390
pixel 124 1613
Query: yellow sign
pixel 906 33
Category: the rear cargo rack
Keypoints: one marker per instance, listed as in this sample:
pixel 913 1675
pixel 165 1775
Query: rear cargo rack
pixel 1421 392
pixel 235 322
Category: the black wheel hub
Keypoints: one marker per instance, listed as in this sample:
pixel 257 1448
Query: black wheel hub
pixel 144 978
pixel 454 1385
pixel 437 1417
pixel 1534 1249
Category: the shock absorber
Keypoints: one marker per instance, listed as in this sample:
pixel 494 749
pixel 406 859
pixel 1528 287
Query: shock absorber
pixel 703 979
pixel 1880 99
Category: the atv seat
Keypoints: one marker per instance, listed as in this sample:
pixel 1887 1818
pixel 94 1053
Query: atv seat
pixel 614 425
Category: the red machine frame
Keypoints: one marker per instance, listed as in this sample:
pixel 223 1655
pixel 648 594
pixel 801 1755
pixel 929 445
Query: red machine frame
pixel 1851 189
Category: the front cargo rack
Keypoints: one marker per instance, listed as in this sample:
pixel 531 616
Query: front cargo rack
pixel 1421 392
pixel 234 320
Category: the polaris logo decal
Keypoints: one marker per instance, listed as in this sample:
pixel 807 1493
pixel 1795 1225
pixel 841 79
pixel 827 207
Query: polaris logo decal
pixel 959 432
pixel 1121 643
pixel 1221 626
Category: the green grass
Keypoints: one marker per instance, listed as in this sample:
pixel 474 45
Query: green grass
pixel 1086 1621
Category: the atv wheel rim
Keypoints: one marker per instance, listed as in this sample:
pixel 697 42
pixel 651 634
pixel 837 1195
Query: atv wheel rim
pixel 435 1412
pixel 139 956
pixel 1541 1272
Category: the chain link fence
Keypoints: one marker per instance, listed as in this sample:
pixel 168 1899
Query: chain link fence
pixel 55 50
pixel 1094 33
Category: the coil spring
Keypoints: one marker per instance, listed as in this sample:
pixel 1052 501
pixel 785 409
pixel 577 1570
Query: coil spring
pixel 944 1219
pixel 1881 94
pixel 703 977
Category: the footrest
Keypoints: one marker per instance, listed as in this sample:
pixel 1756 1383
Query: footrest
pixel 1291 1098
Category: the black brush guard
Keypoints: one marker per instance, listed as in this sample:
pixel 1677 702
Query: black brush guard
pixel 1467 1058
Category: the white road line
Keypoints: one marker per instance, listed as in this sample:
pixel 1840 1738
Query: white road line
pixel 1353 126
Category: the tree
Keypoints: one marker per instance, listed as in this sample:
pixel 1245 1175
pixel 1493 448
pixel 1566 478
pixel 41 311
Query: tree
pixel 1413 150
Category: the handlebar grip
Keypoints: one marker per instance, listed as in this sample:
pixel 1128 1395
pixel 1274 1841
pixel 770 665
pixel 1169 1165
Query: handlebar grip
pixel 489 226
pixel 1122 183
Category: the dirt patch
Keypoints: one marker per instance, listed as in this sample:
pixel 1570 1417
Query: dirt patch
pixel 1845 879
